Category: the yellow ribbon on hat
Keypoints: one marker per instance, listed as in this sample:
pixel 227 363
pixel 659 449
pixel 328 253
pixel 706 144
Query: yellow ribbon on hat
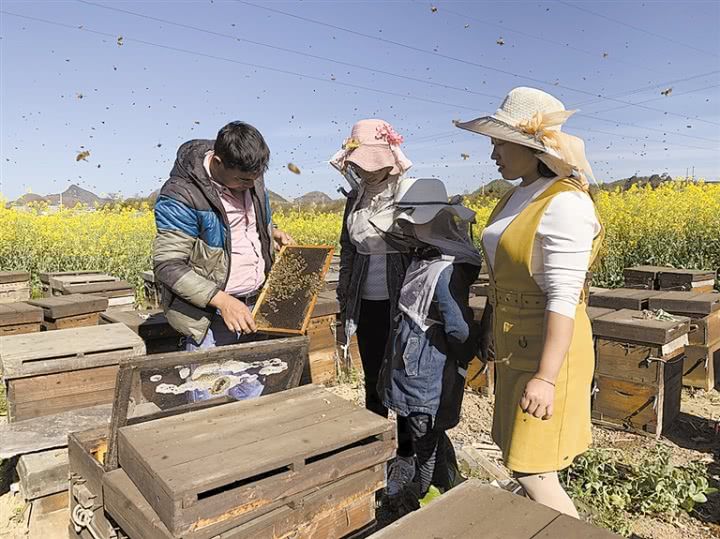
pixel 570 149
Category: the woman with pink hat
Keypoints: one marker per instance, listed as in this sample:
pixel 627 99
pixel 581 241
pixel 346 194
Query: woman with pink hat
pixel 372 271
pixel 539 243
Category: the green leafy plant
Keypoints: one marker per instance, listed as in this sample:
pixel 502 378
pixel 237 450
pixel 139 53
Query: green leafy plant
pixel 611 490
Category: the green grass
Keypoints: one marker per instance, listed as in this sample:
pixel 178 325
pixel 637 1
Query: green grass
pixel 3 400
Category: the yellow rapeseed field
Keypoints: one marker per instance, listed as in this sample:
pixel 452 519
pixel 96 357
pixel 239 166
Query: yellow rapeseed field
pixel 676 224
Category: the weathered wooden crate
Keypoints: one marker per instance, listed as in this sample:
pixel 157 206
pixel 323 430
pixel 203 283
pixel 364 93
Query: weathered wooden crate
pixel 152 327
pixel 622 298
pixel 702 366
pixel 644 277
pixel 631 326
pixel 43 474
pixel 504 515
pixel 55 371
pixel 93 452
pixel 480 377
pixel 18 318
pixel 14 286
pixel 285 444
pixel 71 311
pixel 638 374
pixel 702 308
pixel 47 276
pixel 684 279
pixel 326 512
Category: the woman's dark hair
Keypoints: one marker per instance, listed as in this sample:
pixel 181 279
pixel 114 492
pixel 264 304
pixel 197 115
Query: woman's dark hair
pixel 544 170
pixel 240 146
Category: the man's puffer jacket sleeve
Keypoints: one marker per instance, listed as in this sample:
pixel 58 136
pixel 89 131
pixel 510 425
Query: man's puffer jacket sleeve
pixel 178 230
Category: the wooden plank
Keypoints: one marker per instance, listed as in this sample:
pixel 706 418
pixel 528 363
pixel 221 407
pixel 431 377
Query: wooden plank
pixel 56 307
pixel 50 431
pixel 455 515
pixel 148 324
pixel 701 368
pixel 47 526
pixel 303 517
pixel 59 392
pixel 572 528
pixel 326 304
pixel 86 456
pixel 44 473
pixel 80 321
pixel 67 349
pixel 687 302
pixel 631 326
pixel 19 329
pixel 686 279
pixel 14 276
pixel 49 504
pixel 12 314
pixel 478 305
pixel 633 362
pixel 108 290
pixel 12 292
pixel 622 298
pixel 311 441
pixel 45 276
pixel 291 350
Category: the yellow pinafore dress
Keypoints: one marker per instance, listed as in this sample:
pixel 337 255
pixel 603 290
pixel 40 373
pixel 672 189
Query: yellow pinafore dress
pixel 531 445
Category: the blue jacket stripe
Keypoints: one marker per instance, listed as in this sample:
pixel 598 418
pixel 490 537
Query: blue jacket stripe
pixel 173 215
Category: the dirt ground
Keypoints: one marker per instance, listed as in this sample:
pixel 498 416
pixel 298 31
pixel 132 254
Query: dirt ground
pixel 695 436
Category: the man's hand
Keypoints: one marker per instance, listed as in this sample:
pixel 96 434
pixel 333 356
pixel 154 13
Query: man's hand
pixel 235 313
pixel 281 238
pixel 538 398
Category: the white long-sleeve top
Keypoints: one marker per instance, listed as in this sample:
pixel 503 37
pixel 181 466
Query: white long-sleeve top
pixel 563 243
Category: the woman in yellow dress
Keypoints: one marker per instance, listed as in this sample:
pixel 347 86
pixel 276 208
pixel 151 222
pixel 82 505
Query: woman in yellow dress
pixel 539 244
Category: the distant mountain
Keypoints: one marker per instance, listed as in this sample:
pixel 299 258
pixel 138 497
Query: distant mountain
pixel 653 180
pixel 495 188
pixel 274 197
pixel 72 196
pixel 313 197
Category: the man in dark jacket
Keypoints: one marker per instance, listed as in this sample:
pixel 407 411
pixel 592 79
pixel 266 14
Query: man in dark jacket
pixel 215 237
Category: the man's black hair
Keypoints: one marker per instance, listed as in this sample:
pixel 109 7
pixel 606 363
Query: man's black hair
pixel 545 171
pixel 240 146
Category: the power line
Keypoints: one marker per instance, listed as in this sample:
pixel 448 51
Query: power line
pixel 544 39
pixel 283 49
pixel 663 97
pixel 238 62
pixel 293 51
pixel 448 57
pixel 651 87
pixel 637 28
pixel 303 75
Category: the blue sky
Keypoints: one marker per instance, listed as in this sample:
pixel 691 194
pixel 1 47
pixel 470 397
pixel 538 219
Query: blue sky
pixel 167 83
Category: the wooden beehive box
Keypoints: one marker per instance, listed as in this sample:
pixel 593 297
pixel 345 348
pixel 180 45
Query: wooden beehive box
pixel 644 277
pixel 14 286
pixel 684 279
pixel 120 294
pixel 47 276
pixel 93 452
pixel 480 377
pixel 702 366
pixel 702 308
pixel 324 341
pixel 17 318
pixel 326 512
pixel 55 371
pixel 284 445
pixel 638 372
pixel 504 515
pixel 152 327
pixel 622 298
pixel 71 311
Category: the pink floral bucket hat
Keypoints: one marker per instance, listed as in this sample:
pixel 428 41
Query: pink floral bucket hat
pixel 373 145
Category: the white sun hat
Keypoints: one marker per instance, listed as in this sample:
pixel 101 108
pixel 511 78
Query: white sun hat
pixel 534 118
pixel 419 200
